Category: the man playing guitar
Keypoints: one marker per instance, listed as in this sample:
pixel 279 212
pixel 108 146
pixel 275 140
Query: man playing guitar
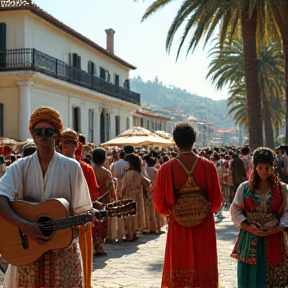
pixel 45 174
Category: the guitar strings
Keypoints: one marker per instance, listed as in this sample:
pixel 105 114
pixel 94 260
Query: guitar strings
pixel 48 225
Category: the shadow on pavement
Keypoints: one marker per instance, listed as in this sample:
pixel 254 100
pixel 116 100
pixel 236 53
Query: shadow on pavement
pixel 226 232
pixel 157 266
pixel 120 249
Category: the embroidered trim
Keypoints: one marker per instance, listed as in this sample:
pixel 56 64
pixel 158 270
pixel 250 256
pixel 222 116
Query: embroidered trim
pixel 206 277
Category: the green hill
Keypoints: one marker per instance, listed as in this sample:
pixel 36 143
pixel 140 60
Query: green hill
pixel 155 94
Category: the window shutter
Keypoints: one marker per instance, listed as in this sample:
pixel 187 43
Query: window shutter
pixel 102 73
pixel 2 44
pixel 74 61
pixel 2 36
pixel 108 78
pixel 117 120
pixel 102 127
pixel 116 80
pixel 91 67
pixel 78 62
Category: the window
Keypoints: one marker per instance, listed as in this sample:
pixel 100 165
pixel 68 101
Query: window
pixel 102 73
pixel 76 118
pixel 76 61
pixel 116 82
pixel 141 123
pixel 91 68
pixel 152 126
pixel 117 122
pixel 1 120
pixel 91 125
pixel 148 125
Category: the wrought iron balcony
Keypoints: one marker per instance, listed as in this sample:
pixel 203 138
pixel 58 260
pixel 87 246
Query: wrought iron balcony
pixel 32 59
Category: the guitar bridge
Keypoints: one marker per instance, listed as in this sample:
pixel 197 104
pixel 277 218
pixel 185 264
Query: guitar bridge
pixel 24 239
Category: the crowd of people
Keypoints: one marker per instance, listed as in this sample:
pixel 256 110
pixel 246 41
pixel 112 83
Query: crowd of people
pixel 165 183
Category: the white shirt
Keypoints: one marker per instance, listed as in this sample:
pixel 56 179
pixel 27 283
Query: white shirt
pixel 63 179
pixel 118 168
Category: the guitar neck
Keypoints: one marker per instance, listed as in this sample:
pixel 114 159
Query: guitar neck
pixel 71 221
pixel 62 223
pixel 77 220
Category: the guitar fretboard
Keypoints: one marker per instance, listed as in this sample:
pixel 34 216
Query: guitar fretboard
pixel 71 221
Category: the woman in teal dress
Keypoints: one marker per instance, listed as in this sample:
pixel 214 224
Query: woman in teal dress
pixel 260 210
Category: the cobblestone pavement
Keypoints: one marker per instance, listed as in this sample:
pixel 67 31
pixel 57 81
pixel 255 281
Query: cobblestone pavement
pixel 139 264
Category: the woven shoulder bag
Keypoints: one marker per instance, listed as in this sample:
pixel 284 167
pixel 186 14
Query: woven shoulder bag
pixel 191 205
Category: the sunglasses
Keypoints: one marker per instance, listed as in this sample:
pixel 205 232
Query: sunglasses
pixel 48 132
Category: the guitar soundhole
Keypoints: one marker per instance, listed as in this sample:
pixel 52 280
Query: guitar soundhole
pixel 46 225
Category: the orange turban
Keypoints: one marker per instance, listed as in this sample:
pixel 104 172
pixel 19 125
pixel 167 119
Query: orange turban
pixel 45 114
pixel 69 134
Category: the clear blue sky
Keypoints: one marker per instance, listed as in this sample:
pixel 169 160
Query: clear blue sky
pixel 140 44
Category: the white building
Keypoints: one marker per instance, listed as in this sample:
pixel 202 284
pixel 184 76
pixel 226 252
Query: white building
pixel 43 62
pixel 205 131
pixel 152 121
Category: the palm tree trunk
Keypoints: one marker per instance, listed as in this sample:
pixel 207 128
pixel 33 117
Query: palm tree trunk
pixel 283 28
pixel 251 79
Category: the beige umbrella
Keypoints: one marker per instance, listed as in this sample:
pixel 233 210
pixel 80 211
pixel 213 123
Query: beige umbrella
pixel 138 136
pixel 135 131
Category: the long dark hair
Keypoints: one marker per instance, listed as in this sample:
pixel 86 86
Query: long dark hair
pixel 255 179
pixel 134 161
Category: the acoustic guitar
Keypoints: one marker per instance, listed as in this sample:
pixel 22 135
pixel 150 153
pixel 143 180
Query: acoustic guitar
pixel 52 217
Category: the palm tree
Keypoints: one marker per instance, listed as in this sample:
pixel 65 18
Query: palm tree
pixel 227 68
pixel 251 17
pixel 271 77
pixel 238 107
pixel 280 11
pixel 227 65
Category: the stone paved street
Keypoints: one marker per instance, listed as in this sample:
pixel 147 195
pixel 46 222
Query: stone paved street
pixel 139 264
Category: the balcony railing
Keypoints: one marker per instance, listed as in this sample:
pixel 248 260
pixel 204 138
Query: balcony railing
pixel 32 59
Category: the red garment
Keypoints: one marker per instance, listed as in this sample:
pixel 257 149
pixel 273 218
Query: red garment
pixel 90 179
pixel 78 152
pixel 100 229
pixel 85 234
pixel 191 252
pixel 274 243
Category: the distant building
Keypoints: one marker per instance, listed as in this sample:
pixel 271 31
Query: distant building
pixel 229 136
pixel 205 131
pixel 152 121
pixel 44 62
